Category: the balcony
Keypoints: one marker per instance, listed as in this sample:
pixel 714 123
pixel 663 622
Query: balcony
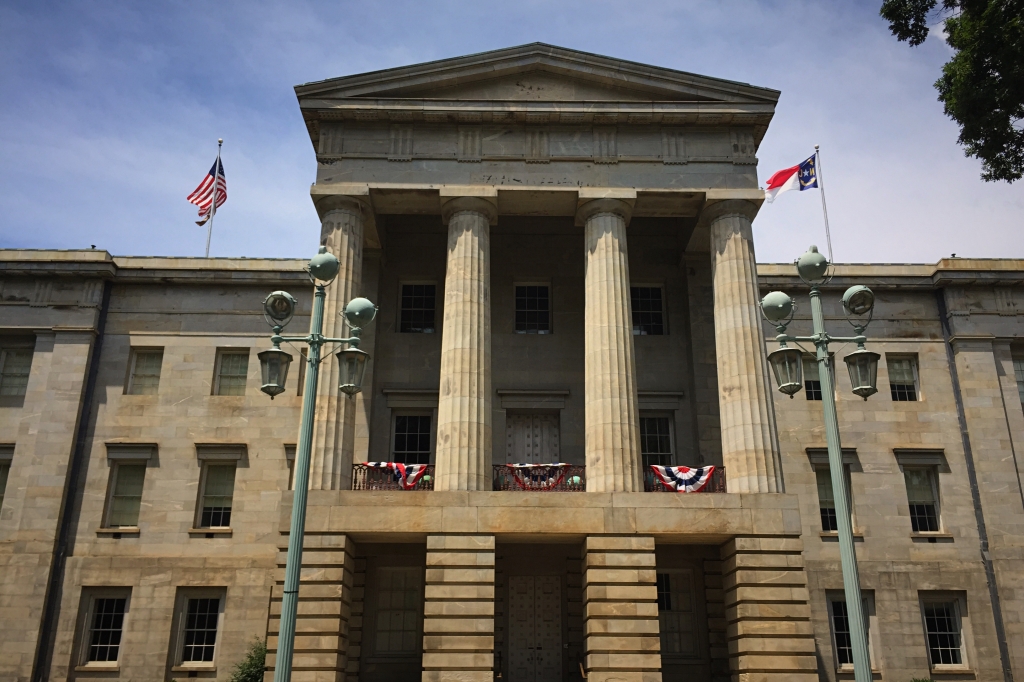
pixel 715 485
pixel 557 478
pixel 393 478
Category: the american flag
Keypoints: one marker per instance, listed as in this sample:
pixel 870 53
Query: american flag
pixel 203 194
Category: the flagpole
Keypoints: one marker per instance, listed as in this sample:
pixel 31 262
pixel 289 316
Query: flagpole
pixel 213 205
pixel 821 187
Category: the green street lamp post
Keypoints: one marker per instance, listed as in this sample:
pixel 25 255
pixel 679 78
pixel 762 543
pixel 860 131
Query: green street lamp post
pixel 787 365
pixel 279 307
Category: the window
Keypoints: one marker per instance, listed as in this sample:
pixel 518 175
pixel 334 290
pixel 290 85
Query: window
pixel 303 361
pixel 812 382
pixel 15 364
pixel 125 495
pixel 533 309
pixel 418 306
pixel 6 455
pixel 232 369
pixel 943 626
pixel 655 441
pixel 399 598
pixel 289 455
pixel 1018 372
pixel 839 619
pixel 103 626
pixel 411 443
pixel 144 371
pixel 826 499
pixel 648 315
pixel 198 620
pixel 902 378
pixel 218 486
pixel 923 497
pixel 676 613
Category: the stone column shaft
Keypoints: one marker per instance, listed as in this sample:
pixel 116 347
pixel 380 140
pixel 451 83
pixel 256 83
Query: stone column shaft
pixel 334 426
pixel 750 448
pixel 464 445
pixel 612 421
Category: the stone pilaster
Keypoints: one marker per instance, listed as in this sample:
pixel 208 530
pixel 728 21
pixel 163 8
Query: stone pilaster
pixel 750 450
pixel 612 421
pixel 767 612
pixel 325 602
pixel 458 609
pixel 620 609
pixel 334 428
pixel 464 445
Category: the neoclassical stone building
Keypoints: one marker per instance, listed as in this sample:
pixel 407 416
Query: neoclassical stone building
pixel 561 248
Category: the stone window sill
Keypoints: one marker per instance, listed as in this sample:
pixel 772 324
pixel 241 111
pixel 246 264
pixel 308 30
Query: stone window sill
pixel 98 668
pixel 193 669
pixel 845 671
pixel 935 536
pixel 117 533
pixel 834 535
pixel 209 532
pixel 960 671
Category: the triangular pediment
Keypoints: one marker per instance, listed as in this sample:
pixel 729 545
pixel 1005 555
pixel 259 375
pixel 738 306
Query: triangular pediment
pixel 536 72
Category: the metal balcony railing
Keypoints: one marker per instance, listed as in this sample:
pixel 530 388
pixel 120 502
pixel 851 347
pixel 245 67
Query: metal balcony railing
pixel 554 478
pixel 378 478
pixel 716 485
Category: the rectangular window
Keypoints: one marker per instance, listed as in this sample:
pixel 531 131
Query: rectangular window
pixel 827 500
pixel 411 443
pixel 199 616
pixel 103 626
pixel 533 309
pixel 144 371
pixel 15 364
pixel 289 455
pixel 812 382
pixel 418 308
pixel 399 597
pixel 232 370
pixel 923 497
pixel 5 471
pixel 125 495
pixel 902 378
pixel 676 613
pixel 218 487
pixel 648 313
pixel 943 629
pixel 1018 373
pixel 839 619
pixel 655 441
pixel 303 361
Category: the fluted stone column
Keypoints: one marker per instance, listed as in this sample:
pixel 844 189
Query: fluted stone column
pixel 334 426
pixel 612 421
pixel 463 457
pixel 750 449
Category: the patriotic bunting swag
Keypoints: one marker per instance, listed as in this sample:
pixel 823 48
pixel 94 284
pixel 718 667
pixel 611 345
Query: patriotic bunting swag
pixel 408 475
pixel 538 476
pixel 683 479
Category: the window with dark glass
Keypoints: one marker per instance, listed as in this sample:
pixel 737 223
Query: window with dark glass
pixel 418 309
pixel 125 498
pixel 648 311
pixel 216 496
pixel 655 441
pixel 533 309
pixel 106 623
pixel 827 500
pixel 839 619
pixel 902 378
pixel 15 364
pixel 412 439
pixel 676 613
pixel 923 497
pixel 199 636
pixel 144 373
pixel 942 626
pixel 812 381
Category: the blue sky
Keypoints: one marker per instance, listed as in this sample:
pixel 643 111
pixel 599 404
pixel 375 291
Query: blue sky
pixel 110 112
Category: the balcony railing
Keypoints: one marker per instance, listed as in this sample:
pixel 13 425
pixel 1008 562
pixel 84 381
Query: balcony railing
pixel 715 485
pixel 556 478
pixel 378 478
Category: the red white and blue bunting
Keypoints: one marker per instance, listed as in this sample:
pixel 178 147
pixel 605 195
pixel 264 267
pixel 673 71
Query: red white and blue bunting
pixel 683 479
pixel 408 475
pixel 538 476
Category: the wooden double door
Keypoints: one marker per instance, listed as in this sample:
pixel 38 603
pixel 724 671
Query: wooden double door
pixel 535 628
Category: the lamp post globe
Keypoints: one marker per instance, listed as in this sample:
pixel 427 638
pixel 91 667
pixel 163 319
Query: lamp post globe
pixel 858 300
pixel 359 312
pixel 812 266
pixel 324 266
pixel 777 306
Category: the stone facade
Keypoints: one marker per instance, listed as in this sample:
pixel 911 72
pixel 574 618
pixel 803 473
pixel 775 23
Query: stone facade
pixel 561 248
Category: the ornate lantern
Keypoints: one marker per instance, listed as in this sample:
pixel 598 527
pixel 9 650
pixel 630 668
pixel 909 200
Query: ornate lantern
pixel 863 365
pixel 274 367
pixel 351 367
pixel 788 367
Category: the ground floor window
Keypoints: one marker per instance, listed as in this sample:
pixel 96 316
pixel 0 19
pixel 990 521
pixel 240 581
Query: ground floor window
pixel 677 613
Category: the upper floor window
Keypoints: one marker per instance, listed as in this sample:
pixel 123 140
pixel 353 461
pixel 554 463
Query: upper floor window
pixel 232 370
pixel 827 499
pixel 125 494
pixel 812 377
pixel 1018 373
pixel 198 615
pixel 655 441
pixel 923 497
pixel 216 492
pixel 902 377
pixel 15 363
pixel 418 309
pixel 144 371
pixel 648 311
pixel 533 309
pixel 411 443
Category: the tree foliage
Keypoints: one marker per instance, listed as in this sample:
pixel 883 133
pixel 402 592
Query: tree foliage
pixel 250 668
pixel 982 86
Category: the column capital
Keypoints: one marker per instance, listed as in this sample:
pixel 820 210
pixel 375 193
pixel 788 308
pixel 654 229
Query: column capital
pixel 588 208
pixel 715 211
pixel 484 205
pixel 359 205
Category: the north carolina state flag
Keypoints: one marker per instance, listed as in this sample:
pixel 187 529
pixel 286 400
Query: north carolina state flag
pixel 801 176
